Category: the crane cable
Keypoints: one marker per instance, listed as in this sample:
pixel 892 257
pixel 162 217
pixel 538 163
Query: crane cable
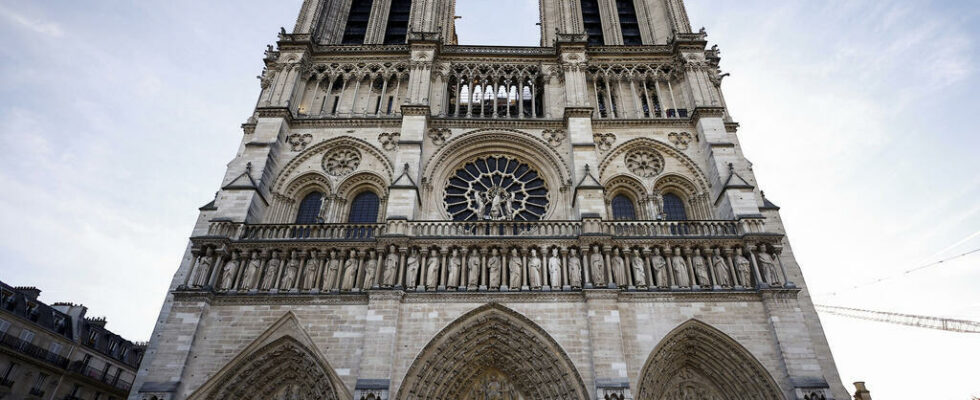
pixel 906 272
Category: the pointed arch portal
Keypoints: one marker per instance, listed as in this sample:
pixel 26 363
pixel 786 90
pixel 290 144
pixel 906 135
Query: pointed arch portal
pixel 697 361
pixel 282 364
pixel 492 352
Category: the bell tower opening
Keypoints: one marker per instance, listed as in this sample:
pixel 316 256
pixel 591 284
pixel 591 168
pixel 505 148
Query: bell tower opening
pixel 499 23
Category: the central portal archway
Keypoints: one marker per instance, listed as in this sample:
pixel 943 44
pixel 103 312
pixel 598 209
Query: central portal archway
pixel 492 352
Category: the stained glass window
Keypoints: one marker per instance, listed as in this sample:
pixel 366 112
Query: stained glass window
pixel 309 209
pixel 623 208
pixel 364 209
pixel 674 208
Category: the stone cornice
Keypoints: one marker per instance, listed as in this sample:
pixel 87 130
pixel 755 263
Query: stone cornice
pixel 708 112
pixel 358 122
pixel 415 110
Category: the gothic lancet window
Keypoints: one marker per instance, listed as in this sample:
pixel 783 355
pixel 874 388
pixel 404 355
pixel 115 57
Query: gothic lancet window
pixel 628 23
pixel 592 21
pixel 357 21
pixel 364 209
pixel 398 21
pixel 309 209
pixel 623 208
pixel 674 208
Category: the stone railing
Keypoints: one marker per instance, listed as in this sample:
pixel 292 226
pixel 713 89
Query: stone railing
pixel 494 256
pixel 487 229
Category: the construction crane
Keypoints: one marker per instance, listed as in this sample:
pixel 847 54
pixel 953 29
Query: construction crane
pixel 919 321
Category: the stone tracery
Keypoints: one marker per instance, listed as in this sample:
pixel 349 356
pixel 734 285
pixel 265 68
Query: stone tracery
pixel 486 341
pixel 697 361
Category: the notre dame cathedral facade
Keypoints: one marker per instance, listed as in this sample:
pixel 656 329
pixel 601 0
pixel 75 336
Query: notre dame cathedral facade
pixel 409 218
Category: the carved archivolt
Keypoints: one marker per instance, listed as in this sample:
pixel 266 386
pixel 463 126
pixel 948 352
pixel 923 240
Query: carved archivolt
pixel 356 183
pixel 621 153
pixel 491 341
pixel 279 364
pixel 697 361
pixel 514 144
pixel 371 159
pixel 306 183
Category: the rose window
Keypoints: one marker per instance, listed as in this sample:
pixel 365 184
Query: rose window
pixel 496 188
pixel 645 163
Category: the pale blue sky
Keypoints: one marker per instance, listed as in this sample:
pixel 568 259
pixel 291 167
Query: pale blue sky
pixel 117 119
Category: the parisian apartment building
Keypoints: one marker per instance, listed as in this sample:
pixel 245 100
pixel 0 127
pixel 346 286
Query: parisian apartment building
pixel 56 352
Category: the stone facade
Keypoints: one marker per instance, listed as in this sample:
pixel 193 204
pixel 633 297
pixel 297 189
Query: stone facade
pixel 55 352
pixel 408 218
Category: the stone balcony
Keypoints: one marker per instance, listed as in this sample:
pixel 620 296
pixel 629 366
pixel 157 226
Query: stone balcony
pixel 488 256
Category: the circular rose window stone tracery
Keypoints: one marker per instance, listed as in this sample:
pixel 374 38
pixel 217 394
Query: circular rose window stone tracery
pixel 496 188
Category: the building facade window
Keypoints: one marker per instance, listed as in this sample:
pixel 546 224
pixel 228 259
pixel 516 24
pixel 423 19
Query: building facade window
pixel 357 22
pixel 674 208
pixel 593 22
pixel 623 208
pixel 398 21
pixel 364 208
pixel 4 326
pixel 628 24
pixel 309 209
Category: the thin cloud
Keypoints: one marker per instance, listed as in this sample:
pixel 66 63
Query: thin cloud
pixel 33 24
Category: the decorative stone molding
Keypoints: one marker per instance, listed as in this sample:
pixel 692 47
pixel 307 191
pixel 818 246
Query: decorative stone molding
pixel 645 163
pixel 389 140
pixel 554 137
pixel 341 161
pixel 696 346
pixel 604 141
pixel 681 140
pixel 440 136
pixel 537 366
pixel 298 142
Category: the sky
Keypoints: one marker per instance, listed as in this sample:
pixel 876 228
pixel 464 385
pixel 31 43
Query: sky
pixel 117 119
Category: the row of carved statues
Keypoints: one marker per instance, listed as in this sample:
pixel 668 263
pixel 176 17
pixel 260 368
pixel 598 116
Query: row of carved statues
pixel 486 268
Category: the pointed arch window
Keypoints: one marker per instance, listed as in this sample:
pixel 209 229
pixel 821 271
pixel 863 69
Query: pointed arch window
pixel 309 209
pixel 364 208
pixel 674 208
pixel 623 208
pixel 357 22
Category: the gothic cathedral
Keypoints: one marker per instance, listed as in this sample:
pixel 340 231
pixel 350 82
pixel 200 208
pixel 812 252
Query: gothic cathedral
pixel 409 218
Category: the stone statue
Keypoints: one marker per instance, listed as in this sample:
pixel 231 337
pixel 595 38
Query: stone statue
pixel 473 269
pixel 722 275
pixel 701 268
pixel 554 268
pixel 516 267
pixel 639 270
pixel 534 270
pixel 598 267
pixel 228 274
pixel 660 269
pixel 767 266
pixel 574 269
pixel 455 264
pixel 680 269
pixel 330 273
pixel 493 266
pixel 480 205
pixel 370 270
pixel 350 272
pixel 618 269
pixel 203 268
pixel 743 267
pixel 251 277
pixel 309 271
pixel 271 272
pixel 391 268
pixel 432 270
pixel 412 269
pixel 292 270
pixel 321 215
